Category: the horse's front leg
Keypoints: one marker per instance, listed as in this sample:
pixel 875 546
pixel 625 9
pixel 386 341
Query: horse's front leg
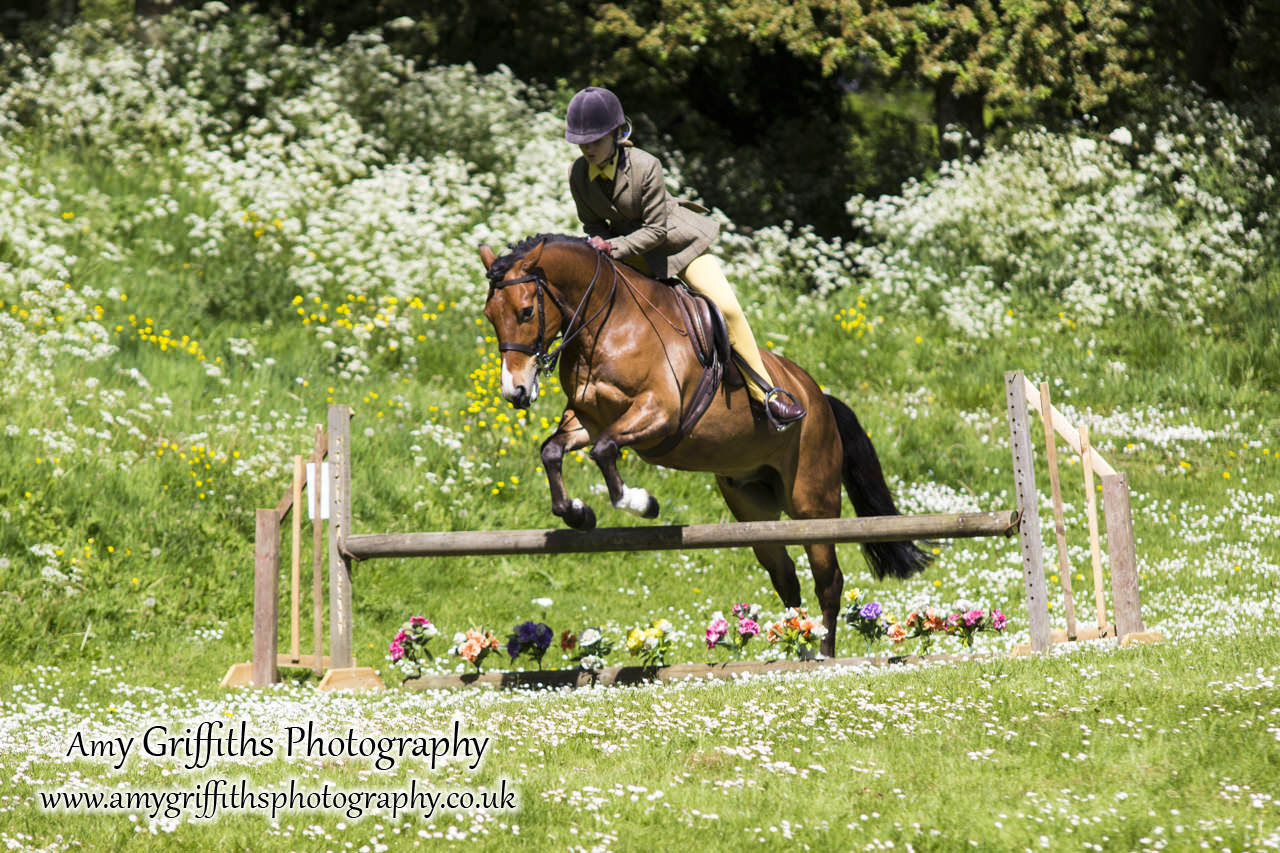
pixel 568 437
pixel 642 422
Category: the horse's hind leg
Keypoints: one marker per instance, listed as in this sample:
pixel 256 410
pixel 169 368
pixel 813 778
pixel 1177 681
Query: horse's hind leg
pixel 570 436
pixel 757 501
pixel 828 584
pixel 813 491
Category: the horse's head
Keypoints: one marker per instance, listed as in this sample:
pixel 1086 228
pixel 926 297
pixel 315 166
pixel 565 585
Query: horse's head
pixel 526 317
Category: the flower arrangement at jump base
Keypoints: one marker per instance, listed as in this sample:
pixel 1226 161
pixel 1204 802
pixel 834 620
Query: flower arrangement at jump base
pixel 652 644
pixel 736 633
pixel 531 639
pixel 474 645
pixel 969 622
pixel 796 634
pixel 408 651
pixel 869 619
pixel 919 626
pixel 589 648
pixel 793 634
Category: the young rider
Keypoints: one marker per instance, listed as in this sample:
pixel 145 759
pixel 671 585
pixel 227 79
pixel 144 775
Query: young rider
pixel 623 203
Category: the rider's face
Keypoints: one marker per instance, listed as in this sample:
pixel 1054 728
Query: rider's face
pixel 599 150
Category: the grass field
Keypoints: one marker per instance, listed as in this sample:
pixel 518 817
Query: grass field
pixel 188 277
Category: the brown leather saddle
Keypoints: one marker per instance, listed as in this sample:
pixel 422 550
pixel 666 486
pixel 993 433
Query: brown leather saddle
pixel 709 337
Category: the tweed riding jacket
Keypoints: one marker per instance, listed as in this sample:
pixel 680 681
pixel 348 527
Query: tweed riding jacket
pixel 639 217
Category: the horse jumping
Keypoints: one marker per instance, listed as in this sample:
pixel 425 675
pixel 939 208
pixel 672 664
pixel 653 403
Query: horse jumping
pixel 629 371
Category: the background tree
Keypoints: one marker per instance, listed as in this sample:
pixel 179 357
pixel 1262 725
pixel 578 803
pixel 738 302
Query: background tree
pixel 785 109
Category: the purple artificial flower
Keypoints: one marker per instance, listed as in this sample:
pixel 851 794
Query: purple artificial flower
pixel 534 635
pixel 716 631
pixel 871 611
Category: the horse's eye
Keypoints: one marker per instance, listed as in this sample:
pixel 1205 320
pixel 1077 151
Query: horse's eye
pixel 526 314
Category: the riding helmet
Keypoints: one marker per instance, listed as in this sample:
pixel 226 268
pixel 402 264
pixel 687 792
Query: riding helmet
pixel 593 113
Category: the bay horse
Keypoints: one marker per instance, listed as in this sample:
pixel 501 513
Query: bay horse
pixel 629 370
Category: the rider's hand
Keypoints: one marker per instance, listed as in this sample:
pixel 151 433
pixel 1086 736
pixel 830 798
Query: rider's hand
pixel 598 242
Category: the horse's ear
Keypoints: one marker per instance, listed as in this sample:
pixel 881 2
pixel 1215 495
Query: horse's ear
pixel 534 255
pixel 487 256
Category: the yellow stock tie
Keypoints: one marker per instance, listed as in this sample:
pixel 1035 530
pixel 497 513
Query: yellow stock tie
pixel 605 170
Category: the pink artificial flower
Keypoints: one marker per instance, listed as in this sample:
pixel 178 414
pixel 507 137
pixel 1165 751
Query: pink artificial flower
pixel 972 617
pixel 401 636
pixel 716 631
pixel 397 650
pixel 997 619
pixel 419 621
pixel 748 627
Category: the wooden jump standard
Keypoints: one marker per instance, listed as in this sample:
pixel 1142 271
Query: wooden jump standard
pixel 344 545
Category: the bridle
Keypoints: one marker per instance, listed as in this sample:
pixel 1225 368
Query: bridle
pixel 540 350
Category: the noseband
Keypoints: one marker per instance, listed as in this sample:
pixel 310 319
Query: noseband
pixel 545 357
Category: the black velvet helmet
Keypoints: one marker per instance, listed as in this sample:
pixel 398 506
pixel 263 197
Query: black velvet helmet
pixel 593 113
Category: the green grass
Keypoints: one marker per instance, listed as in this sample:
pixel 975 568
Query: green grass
pixel 1153 747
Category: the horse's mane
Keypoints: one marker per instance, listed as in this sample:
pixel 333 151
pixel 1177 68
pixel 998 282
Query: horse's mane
pixel 515 251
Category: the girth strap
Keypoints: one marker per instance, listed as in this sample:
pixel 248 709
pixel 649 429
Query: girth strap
pixel 710 346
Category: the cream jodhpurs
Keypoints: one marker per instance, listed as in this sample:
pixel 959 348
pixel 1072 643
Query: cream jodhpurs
pixel 706 277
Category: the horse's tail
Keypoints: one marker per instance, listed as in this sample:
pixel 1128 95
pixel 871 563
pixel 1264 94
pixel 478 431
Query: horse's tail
pixel 864 480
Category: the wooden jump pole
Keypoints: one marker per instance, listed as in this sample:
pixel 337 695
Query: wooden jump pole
pixel 1024 481
pixel 893 528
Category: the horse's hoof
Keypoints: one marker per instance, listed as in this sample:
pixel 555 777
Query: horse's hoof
pixel 651 511
pixel 580 516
